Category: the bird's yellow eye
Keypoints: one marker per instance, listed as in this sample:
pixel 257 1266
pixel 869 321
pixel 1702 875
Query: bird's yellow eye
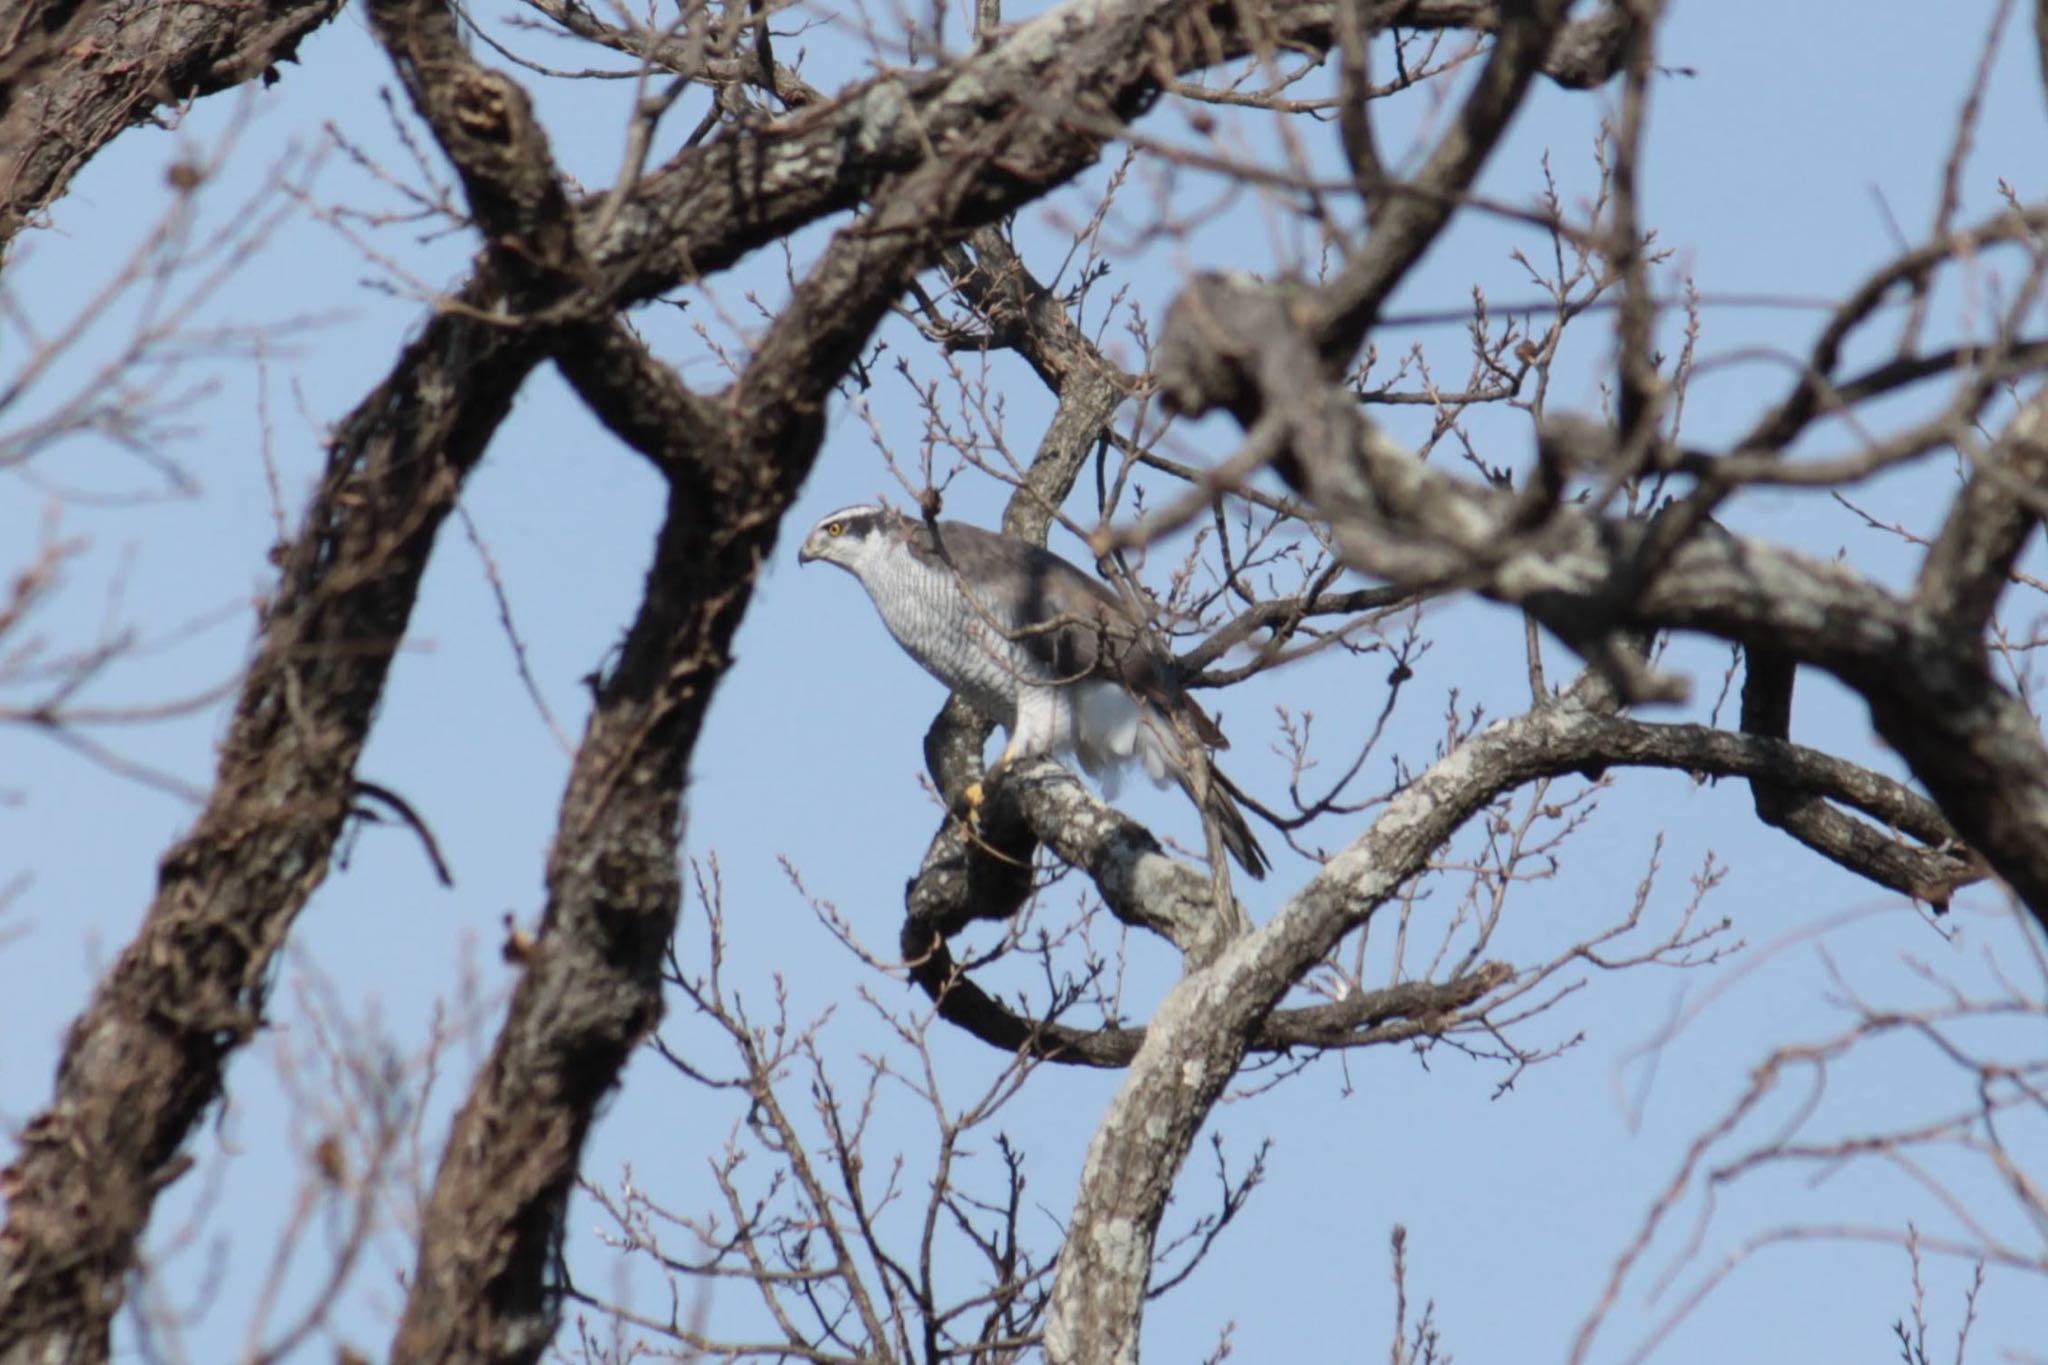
pixel 833 528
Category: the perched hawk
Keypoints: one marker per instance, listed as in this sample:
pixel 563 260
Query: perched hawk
pixel 1044 650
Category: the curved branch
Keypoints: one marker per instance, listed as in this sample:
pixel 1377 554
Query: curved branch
pixel 1778 427
pixel 1972 559
pixel 1932 874
pixel 1405 226
pixel 1395 1014
pixel 714 202
pixel 145 1060
pixel 1200 1034
pixel 74 76
pixel 1201 1031
pixel 1585 577
pixel 964 880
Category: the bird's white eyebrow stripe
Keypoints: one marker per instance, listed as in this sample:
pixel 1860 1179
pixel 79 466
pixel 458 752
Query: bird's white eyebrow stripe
pixel 848 519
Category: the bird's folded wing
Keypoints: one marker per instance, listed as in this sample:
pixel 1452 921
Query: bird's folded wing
pixel 1070 623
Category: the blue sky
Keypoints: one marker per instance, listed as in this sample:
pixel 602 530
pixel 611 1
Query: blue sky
pixel 1773 168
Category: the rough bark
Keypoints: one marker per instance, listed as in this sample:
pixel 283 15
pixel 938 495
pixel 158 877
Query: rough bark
pixel 484 1288
pixel 1591 578
pixel 1199 1035
pixel 1149 890
pixel 143 1063
pixel 74 76
pixel 923 160
pixel 1600 582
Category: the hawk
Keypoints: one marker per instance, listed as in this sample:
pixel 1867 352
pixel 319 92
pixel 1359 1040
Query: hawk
pixel 1044 650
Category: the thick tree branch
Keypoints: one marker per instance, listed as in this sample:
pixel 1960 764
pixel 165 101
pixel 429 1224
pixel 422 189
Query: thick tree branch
pixel 639 398
pixel 484 121
pixel 74 76
pixel 484 1289
pixel 1201 1031
pixel 144 1062
pixel 1971 560
pixel 2041 38
pixel 1026 316
pixel 964 880
pixel 1048 82
pixel 1974 745
pixel 1932 874
pixel 1139 881
pixel 935 153
pixel 592 987
pixel 1404 227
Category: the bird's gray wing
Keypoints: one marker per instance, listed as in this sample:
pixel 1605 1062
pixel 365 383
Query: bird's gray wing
pixel 1026 589
pixel 1065 620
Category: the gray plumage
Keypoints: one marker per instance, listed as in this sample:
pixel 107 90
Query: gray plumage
pixel 1044 650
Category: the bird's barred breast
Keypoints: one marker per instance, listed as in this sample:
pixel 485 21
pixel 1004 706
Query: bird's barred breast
pixel 965 646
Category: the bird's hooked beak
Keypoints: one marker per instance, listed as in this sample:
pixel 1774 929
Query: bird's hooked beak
pixel 803 553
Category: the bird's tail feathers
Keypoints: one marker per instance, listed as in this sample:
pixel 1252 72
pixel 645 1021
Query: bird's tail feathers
pixel 1218 803
pixel 1237 834
pixel 1120 727
pixel 1236 831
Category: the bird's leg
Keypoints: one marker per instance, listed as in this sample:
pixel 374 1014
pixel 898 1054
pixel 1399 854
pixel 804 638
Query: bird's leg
pixel 975 795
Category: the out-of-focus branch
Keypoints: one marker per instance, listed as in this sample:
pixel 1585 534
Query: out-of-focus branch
pixel 591 988
pixel 484 122
pixel 1972 559
pixel 1354 114
pixel 144 1062
pixel 711 203
pixel 74 76
pixel 1931 874
pixel 1953 1131
pixel 1638 387
pixel 638 397
pixel 1281 616
pixel 1024 315
pixel 1933 697
pixel 1404 227
pixel 2041 37
pixel 1779 426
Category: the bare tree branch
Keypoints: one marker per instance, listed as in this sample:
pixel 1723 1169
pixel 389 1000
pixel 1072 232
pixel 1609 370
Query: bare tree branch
pixel 75 74
pixel 1976 747
pixel 144 1062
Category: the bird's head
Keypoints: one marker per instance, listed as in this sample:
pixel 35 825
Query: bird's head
pixel 848 537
